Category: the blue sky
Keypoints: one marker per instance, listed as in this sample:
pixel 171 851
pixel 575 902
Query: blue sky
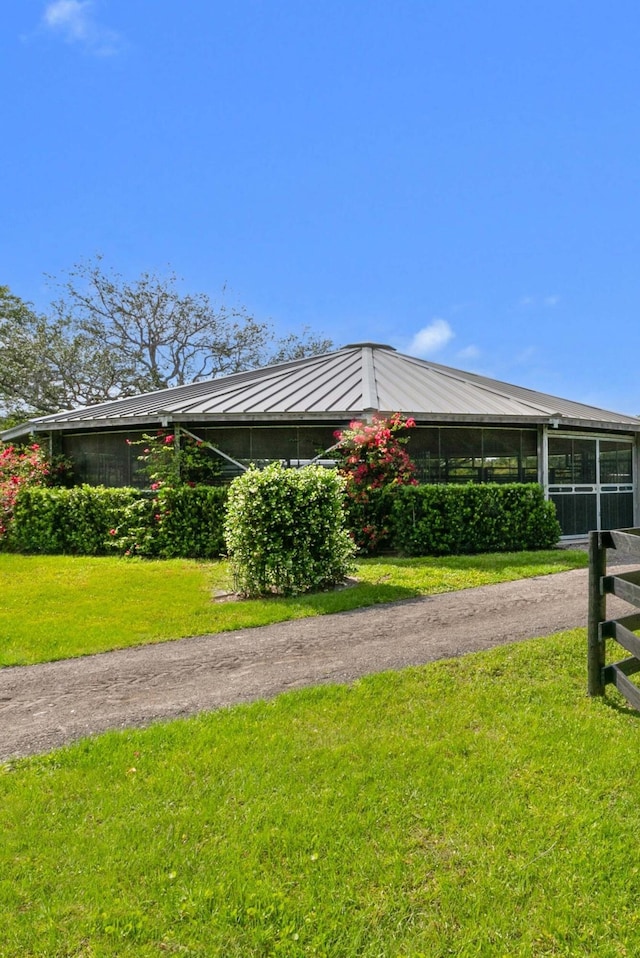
pixel 457 178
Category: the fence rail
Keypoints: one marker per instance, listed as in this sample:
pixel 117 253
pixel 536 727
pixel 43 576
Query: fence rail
pixel 626 586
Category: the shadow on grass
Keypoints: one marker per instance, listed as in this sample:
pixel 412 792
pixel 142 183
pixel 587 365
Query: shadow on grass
pixel 249 613
pixel 622 706
pixel 361 595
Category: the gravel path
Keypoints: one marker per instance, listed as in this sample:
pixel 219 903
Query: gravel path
pixel 45 706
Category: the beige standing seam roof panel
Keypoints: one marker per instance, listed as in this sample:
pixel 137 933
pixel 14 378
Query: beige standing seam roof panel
pixel 351 382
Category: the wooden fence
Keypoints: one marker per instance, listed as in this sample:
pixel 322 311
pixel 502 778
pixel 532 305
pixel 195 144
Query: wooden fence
pixel 626 586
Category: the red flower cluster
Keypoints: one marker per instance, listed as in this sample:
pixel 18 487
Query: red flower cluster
pixel 19 466
pixel 372 456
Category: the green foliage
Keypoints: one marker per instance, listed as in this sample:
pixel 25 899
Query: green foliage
pixel 191 523
pixel 135 529
pixel 21 467
pixel 183 518
pixel 48 363
pixel 169 462
pixel 368 513
pixel 184 521
pixel 387 510
pixel 292 537
pixel 94 520
pixel 77 521
pixel 61 471
pixel 450 520
pixel 285 530
pixel 372 454
pixel 107 337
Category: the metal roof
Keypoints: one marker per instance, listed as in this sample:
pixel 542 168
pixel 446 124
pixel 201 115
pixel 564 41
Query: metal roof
pixel 349 383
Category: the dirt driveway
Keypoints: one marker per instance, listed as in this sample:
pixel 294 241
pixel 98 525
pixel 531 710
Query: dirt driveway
pixel 45 706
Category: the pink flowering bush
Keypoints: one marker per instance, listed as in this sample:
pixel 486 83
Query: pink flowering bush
pixel 20 467
pixel 372 458
pixel 373 454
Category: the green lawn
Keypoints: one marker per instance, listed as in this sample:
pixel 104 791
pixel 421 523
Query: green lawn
pixel 481 806
pixel 54 607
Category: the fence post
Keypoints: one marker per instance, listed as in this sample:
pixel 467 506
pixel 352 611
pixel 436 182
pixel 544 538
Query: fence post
pixel 597 614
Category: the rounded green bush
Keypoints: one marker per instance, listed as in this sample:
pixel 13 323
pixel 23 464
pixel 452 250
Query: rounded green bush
pixel 285 530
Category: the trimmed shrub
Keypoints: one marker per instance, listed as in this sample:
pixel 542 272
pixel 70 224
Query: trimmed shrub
pixel 135 531
pixel 368 516
pixel 182 522
pixel 191 523
pixel 429 523
pixel 76 521
pixel 93 520
pixel 285 530
pixel 450 520
pixel 287 526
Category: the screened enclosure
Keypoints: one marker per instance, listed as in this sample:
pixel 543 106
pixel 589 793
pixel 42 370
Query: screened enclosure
pixel 589 478
pixel 471 454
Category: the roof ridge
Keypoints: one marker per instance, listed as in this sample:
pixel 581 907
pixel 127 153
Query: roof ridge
pixel 370 397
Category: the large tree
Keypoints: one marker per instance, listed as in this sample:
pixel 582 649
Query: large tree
pixel 106 338
pixel 46 366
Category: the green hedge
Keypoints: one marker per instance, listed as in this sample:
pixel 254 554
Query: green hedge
pixel 189 522
pixel 94 520
pixel 452 520
pixel 72 521
pixel 368 515
pixel 192 524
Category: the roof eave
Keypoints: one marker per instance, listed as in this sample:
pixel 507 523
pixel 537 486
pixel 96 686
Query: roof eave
pixel 64 425
pixel 566 422
pixel 162 418
pixel 24 429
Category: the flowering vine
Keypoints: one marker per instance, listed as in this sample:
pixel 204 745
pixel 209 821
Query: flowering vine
pixel 165 463
pixel 372 456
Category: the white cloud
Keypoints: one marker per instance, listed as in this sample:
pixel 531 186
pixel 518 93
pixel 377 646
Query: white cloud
pixel 469 352
pixel 551 301
pixel 431 338
pixel 75 22
pixel 71 16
